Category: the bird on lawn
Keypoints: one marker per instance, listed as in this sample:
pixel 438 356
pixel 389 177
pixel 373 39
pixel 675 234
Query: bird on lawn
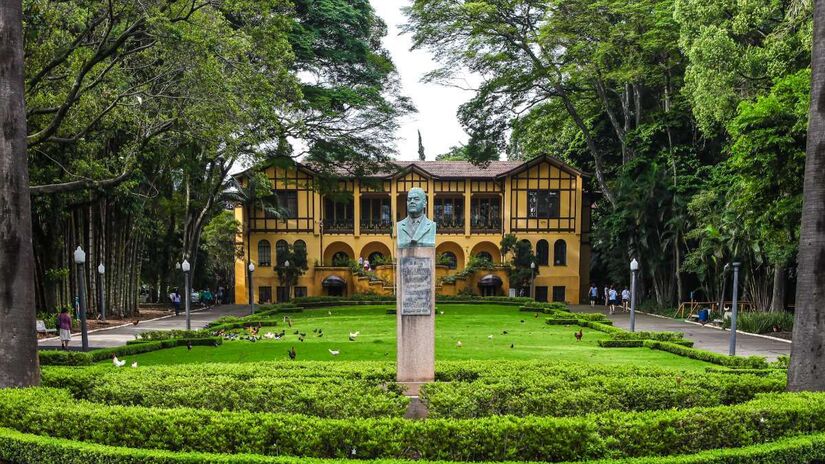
pixel 354 335
pixel 320 334
pixel 314 331
pixel 490 337
pixel 301 339
pixel 134 365
pixel 522 321
pixel 459 344
pixel 537 315
pixel 137 321
pixel 579 335
pixel 329 313
pixel 333 352
pixel 189 346
pixel 117 362
pixel 441 313
pixel 302 334
pixel 292 354
pixel 504 332
pixel 295 333
pixel 512 345
pixel 269 335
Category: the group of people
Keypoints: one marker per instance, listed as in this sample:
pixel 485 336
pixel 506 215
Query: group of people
pixel 364 263
pixel 611 297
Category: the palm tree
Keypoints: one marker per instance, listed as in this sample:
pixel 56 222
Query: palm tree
pixel 18 342
pixel 807 368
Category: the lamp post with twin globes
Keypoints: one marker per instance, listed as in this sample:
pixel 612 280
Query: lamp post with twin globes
pixel 80 261
pixel 186 268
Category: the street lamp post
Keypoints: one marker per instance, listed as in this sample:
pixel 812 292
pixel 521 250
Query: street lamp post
pixel 634 270
pixel 102 304
pixel 251 269
pixel 532 280
pixel 80 261
pixel 735 305
pixel 286 272
pixel 186 268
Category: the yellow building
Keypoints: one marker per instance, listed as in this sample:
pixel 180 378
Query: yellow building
pixel 541 200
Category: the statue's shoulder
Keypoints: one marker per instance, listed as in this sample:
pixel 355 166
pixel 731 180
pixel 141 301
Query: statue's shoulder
pixel 402 222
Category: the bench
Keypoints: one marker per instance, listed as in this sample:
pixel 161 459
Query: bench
pixel 41 327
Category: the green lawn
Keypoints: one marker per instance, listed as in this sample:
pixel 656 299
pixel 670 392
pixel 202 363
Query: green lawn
pixel 471 324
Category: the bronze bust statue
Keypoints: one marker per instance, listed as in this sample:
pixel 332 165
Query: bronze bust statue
pixel 416 230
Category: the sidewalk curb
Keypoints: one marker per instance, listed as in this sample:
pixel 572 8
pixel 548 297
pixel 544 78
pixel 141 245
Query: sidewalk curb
pixel 768 337
pixel 103 329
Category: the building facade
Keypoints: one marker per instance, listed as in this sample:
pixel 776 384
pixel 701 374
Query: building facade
pixel 541 201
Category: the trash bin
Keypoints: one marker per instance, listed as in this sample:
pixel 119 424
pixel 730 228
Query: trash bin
pixel 703 315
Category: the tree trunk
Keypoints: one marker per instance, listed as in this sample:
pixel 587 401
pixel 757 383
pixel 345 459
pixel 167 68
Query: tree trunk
pixel 18 342
pixel 807 367
pixel 778 294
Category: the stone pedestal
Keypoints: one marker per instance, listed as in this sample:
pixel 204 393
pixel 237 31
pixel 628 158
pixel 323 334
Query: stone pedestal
pixel 415 314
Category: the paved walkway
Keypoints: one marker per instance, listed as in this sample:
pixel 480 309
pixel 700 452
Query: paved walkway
pixel 119 336
pixel 705 338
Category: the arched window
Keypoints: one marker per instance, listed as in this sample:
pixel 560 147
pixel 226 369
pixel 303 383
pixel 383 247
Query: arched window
pixel 485 255
pixel 281 248
pixel 376 258
pixel 560 253
pixel 542 252
pixel 300 244
pixel 340 259
pixel 449 259
pixel 264 254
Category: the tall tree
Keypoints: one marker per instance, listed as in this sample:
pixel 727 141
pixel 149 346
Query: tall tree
pixel 18 343
pixel 421 155
pixel 807 368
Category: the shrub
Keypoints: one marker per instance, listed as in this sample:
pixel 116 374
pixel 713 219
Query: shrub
pixel 612 434
pixel 77 358
pixel 754 362
pixel 764 322
pixel 561 321
pixel 21 447
pixel 624 343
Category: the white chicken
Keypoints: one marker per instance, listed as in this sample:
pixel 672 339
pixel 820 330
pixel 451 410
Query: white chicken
pixel 117 362
pixel 354 334
pixel 334 352
pixel 134 365
pixel 459 344
pixel 269 335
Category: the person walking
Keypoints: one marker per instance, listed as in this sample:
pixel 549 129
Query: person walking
pixel 606 296
pixel 64 325
pixel 626 299
pixel 613 298
pixel 174 297
pixel 594 293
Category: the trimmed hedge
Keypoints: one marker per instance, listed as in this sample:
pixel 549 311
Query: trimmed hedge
pixel 615 434
pixel 80 358
pixel 752 362
pixel 21 447
pixel 621 343
pixel 540 395
pixel 320 397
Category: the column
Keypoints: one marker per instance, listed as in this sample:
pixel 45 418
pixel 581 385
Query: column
pixel 356 208
pixel 467 205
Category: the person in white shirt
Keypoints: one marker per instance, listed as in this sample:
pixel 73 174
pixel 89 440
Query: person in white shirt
pixel 626 299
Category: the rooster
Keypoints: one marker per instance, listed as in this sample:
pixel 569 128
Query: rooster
pixel 117 362
pixel 137 321
pixel 189 346
pixel 292 354
pixel 579 335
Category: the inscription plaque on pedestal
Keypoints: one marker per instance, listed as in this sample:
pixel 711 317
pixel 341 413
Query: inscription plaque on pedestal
pixel 417 282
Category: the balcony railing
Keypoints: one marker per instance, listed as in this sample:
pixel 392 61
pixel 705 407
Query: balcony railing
pixel 486 227
pixel 369 227
pixel 346 227
pixel 450 225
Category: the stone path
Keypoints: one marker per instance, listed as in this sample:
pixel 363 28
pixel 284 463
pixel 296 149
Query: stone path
pixel 705 338
pixel 107 338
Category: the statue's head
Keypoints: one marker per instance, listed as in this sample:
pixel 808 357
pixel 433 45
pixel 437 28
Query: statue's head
pixel 416 202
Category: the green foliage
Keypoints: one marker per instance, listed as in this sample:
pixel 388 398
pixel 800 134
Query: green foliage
pixel 763 322
pixel 474 264
pixel 80 358
pixel 754 362
pixel 20 447
pixel 614 434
